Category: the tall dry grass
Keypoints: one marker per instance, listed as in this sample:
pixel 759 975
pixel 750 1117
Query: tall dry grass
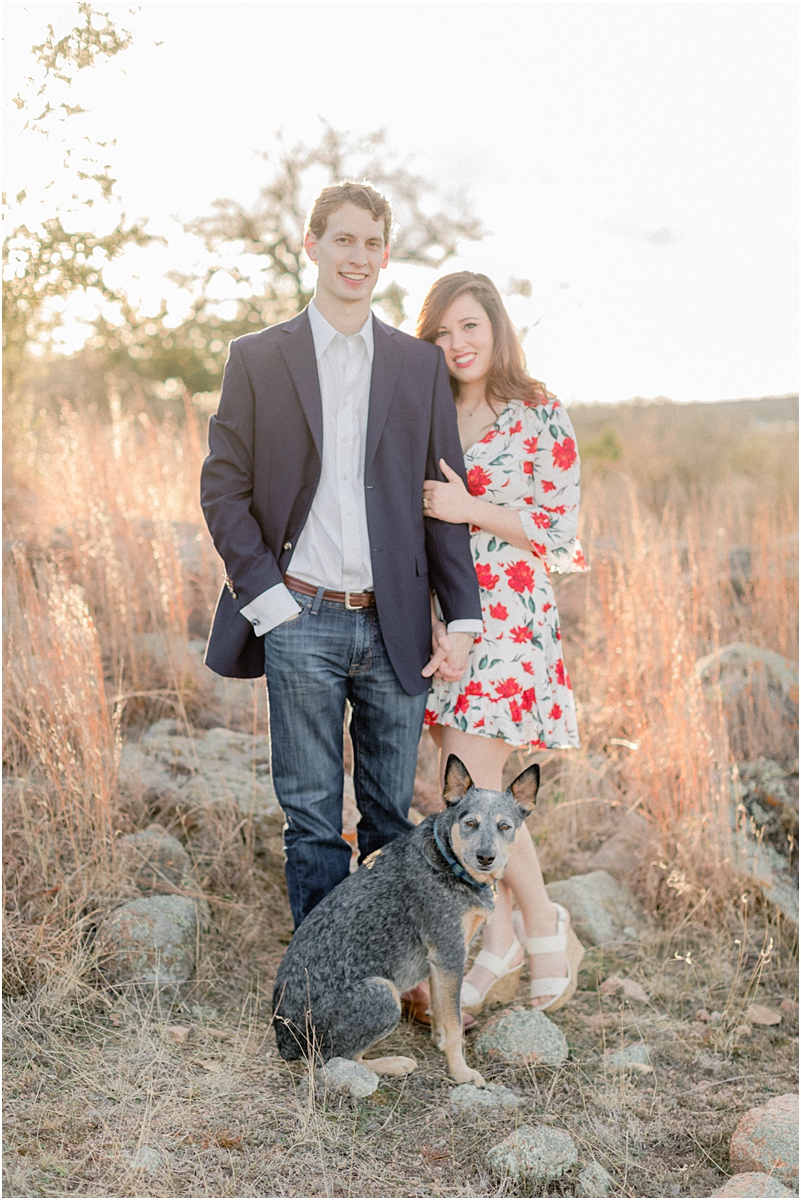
pixel 111 572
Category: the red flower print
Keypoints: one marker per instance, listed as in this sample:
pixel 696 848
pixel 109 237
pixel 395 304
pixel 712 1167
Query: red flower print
pixel 528 668
pixel 579 559
pixel 493 433
pixel 462 704
pixel 514 710
pixel 528 499
pixel 559 508
pixel 547 486
pixel 528 467
pixel 528 700
pixel 555 713
pixel 507 687
pixel 565 455
pixel 475 529
pixel 538 548
pixel 478 724
pixel 531 445
pixel 546 606
pixel 498 612
pixel 430 718
pixel 559 635
pixel 520 575
pixel 560 673
pixel 474 688
pixel 522 634
pixel 517 427
pixel 477 480
pixel 486 579
pixel 541 521
pixel 539 745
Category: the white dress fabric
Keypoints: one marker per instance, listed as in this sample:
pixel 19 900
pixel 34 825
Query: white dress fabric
pixel 516 686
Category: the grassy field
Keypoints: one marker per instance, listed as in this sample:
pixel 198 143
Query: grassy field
pixel 690 525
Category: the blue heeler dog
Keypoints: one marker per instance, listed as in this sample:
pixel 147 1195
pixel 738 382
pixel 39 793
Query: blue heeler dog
pixel 409 911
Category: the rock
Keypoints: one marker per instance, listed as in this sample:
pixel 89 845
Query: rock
pixel 178 1034
pixel 146 1159
pixel 343 1075
pixel 757 1014
pixel 187 777
pixel 602 910
pixel 157 861
pixel 789 1007
pixel 752 1184
pixel 466 1097
pixel 767 869
pixel 536 1154
pixel 630 1058
pixel 766 1139
pixel 616 853
pixel 522 1036
pixel 594 1181
pixel 737 668
pixel 150 942
pixel 629 987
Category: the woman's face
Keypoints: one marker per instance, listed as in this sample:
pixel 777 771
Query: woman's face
pixel 465 335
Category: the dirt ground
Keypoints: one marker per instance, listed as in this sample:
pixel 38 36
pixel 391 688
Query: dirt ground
pixel 91 1083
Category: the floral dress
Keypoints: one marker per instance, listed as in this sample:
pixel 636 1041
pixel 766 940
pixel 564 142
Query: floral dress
pixel 516 686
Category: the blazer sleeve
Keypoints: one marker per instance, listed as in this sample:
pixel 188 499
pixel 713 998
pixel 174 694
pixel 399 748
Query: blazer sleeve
pixel 226 487
pixel 450 562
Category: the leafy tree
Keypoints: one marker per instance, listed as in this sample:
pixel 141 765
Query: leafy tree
pixel 48 259
pixel 259 250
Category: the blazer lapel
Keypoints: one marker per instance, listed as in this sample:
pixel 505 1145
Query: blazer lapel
pixel 387 358
pixel 297 347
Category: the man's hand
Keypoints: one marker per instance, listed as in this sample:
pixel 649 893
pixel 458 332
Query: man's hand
pixel 450 652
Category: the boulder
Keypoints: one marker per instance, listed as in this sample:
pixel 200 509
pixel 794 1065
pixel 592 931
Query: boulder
pixel 616 853
pixel 594 1181
pixel 752 1184
pixel 346 1077
pixel 766 1140
pixel 602 910
pixel 739 674
pixel 522 1036
pixel 156 861
pixel 535 1154
pixel 467 1097
pixel 151 942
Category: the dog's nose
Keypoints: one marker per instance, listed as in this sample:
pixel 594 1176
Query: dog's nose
pixel 485 860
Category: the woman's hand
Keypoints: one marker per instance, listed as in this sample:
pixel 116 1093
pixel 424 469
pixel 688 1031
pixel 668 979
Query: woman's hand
pixel 449 501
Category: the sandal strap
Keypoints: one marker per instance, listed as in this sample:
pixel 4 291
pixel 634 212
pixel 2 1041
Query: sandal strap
pixel 469 994
pixel 547 945
pixel 549 987
pixel 492 962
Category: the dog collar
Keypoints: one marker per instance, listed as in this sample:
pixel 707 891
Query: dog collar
pixel 457 867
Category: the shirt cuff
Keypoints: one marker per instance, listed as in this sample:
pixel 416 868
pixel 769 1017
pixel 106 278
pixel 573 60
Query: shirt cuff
pixel 271 608
pixel 468 625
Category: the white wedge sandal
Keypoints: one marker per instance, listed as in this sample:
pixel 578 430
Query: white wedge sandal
pixel 561 987
pixel 503 987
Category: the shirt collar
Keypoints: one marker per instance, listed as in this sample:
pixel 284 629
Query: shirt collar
pixel 324 333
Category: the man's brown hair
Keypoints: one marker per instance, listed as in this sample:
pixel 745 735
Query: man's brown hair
pixel 358 192
pixel 508 378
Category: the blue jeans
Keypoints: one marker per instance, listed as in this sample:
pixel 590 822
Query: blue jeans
pixel 313 664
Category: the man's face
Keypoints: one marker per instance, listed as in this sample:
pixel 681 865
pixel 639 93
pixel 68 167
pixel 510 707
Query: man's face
pixel 349 254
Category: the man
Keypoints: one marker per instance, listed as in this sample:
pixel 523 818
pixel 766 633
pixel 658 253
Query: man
pixel 327 426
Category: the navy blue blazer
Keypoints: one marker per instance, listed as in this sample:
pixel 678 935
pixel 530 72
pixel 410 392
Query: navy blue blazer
pixel 262 471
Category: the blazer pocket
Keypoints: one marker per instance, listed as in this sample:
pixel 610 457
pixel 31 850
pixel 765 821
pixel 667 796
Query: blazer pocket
pixel 421 563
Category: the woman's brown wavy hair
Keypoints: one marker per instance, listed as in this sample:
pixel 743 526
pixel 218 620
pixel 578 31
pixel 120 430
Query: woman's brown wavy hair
pixel 508 378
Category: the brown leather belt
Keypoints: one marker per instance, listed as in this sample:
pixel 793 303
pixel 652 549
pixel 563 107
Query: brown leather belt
pixel 351 600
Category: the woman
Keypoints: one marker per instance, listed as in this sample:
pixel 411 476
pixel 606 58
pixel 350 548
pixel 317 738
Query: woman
pixel 521 504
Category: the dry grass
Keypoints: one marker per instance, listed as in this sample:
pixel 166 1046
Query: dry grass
pixel 111 578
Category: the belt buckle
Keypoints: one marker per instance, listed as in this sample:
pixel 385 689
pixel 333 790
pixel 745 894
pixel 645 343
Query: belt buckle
pixel 353 607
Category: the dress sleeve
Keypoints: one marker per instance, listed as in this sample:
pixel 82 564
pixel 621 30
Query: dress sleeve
pixel 550 513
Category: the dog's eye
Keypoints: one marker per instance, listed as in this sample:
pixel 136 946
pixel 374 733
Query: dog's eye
pixel 503 827
pixel 471 824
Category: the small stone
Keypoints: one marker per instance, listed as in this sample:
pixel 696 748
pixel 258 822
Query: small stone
pixel 537 1154
pixel 594 1181
pixel 702 1015
pixel 766 1140
pixel 789 1007
pixel 467 1097
pixel 150 942
pixel 759 1015
pixel 631 1058
pixel 752 1184
pixel 629 987
pixel 146 1159
pixel 178 1034
pixel 343 1075
pixel 522 1036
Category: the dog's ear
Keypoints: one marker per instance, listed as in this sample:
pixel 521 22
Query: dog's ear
pixel 457 780
pixel 525 788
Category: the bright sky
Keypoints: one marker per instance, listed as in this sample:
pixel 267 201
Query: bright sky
pixel 637 161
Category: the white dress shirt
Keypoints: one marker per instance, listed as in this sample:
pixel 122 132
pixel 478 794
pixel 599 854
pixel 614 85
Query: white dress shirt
pixel 333 549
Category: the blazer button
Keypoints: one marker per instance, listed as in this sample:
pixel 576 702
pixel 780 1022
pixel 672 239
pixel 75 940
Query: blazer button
pixel 287 545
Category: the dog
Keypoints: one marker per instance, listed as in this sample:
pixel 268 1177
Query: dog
pixel 410 911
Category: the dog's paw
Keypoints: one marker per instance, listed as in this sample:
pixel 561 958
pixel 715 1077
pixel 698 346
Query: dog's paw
pixel 391 1064
pixel 468 1075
